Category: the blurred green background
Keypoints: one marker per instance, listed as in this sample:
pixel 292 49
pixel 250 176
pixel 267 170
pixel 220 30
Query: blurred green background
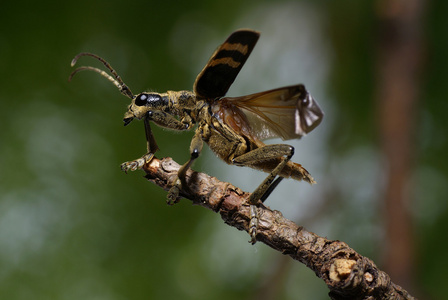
pixel 73 226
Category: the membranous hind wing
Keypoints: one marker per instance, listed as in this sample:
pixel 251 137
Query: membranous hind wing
pixel 288 112
pixel 226 62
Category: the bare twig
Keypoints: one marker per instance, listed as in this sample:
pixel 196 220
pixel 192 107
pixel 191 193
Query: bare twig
pixel 347 274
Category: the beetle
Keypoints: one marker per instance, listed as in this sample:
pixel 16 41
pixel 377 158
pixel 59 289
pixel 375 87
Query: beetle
pixel 233 127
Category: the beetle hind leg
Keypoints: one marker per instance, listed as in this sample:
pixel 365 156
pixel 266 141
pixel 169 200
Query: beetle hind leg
pixel 262 192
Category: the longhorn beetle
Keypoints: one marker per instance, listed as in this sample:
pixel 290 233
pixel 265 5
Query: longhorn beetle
pixel 233 127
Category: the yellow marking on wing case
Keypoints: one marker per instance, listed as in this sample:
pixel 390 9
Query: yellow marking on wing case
pixel 225 61
pixel 239 47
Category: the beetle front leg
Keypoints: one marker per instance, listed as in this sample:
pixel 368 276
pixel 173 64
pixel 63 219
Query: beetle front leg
pixel 257 156
pixel 151 147
pixel 180 182
pixel 162 119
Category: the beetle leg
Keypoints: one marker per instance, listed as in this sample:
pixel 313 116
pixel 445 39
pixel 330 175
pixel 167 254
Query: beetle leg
pixel 180 181
pixel 164 120
pixel 151 146
pixel 266 153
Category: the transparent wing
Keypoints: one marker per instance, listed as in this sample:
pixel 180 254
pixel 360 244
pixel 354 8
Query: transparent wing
pixel 283 112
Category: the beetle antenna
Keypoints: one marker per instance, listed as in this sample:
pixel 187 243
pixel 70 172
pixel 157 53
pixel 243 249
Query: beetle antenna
pixel 115 79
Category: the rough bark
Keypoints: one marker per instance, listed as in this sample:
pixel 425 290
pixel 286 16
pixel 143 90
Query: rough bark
pixel 347 274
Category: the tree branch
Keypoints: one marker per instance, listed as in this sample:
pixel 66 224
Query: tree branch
pixel 347 274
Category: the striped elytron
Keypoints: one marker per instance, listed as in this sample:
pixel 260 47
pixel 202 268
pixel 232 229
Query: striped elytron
pixel 232 127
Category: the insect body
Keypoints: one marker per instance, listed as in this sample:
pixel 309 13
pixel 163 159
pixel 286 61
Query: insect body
pixel 232 127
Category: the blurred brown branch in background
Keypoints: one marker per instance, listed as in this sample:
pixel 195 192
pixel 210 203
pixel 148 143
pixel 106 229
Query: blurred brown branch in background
pixel 399 64
pixel 347 274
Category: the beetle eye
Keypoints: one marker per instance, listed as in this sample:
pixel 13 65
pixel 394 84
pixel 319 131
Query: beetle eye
pixel 152 100
pixel 141 100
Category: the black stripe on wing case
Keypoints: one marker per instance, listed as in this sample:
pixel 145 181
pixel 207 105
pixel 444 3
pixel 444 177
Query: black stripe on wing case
pixel 218 75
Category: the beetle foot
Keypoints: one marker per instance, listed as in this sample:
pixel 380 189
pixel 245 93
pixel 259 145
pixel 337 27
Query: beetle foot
pixel 137 164
pixel 173 193
pixel 253 224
